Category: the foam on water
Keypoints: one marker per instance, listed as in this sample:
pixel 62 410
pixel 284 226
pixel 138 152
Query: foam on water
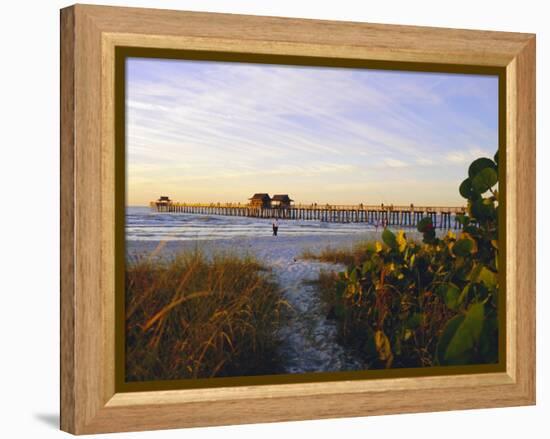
pixel 144 224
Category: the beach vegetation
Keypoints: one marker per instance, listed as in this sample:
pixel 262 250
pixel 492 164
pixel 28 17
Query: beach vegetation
pixel 405 303
pixel 198 317
pixel 352 255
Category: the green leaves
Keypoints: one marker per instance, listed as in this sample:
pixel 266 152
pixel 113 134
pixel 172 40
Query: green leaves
pixel 445 339
pixel 450 294
pixel 466 190
pixel 484 180
pixel 483 209
pixel 425 225
pixel 368 265
pixel 389 238
pixel 353 275
pixel 464 294
pixel 431 303
pixel 479 165
pixel 340 289
pixel 465 246
pixel 414 321
pixel 482 176
pixel 462 219
pixel 383 346
pixel 488 277
pixel 484 275
pixel 462 247
pixel 460 337
pixel 339 310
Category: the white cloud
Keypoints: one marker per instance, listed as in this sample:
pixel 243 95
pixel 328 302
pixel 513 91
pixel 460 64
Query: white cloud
pixel 394 163
pixel 467 156
pixel 424 162
pixel 198 124
pixel 456 157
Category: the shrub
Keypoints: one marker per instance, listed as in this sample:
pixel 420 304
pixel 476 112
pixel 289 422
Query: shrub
pixel 410 304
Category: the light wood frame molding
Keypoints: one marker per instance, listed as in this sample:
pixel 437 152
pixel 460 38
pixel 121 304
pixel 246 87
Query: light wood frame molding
pixel 89 35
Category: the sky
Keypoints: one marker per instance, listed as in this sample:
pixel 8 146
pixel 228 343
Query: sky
pixel 206 131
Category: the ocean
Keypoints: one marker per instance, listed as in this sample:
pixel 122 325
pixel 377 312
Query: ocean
pixel 144 224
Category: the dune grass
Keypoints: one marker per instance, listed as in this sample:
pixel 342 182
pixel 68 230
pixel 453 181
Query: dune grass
pixel 199 317
pixel 348 256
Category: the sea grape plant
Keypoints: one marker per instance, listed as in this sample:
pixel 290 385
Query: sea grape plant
pixel 410 304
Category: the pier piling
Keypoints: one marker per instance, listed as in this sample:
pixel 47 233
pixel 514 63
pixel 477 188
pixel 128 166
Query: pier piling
pixel 442 217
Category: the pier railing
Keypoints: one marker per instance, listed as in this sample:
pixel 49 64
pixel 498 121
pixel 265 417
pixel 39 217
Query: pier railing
pixel 407 216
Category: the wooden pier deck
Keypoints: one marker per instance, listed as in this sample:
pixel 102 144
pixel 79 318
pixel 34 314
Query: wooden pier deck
pixel 405 216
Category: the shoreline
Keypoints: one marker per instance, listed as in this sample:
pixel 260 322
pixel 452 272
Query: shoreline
pixel 309 338
pixel 264 248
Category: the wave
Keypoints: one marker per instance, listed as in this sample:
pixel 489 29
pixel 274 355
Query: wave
pixel 145 224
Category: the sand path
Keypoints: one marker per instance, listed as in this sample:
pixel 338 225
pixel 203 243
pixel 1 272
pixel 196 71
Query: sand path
pixel 309 338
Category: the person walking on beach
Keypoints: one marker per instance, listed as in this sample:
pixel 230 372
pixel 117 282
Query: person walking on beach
pixel 275 226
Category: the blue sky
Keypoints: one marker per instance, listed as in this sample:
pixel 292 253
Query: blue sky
pixel 211 131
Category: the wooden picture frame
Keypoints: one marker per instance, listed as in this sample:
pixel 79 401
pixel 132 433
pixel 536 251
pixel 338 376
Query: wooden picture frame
pixel 90 36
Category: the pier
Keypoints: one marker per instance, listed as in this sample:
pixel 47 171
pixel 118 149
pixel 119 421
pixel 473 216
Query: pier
pixel 406 216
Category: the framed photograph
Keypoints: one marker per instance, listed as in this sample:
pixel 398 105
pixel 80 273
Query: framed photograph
pixel 267 219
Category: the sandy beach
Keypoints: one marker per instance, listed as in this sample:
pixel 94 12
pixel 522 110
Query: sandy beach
pixel 268 248
pixel 309 338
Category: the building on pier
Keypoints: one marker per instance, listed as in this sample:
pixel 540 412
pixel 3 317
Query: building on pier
pixel 281 201
pixel 260 200
pixel 164 201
